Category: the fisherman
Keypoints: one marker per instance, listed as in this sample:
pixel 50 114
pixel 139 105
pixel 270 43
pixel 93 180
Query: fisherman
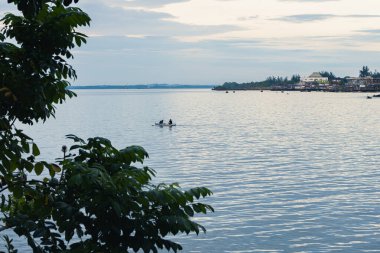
pixel 161 122
pixel 170 122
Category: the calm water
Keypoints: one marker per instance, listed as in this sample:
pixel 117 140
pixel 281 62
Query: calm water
pixel 296 172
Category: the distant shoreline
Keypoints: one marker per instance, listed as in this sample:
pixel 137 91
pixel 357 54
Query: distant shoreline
pixel 142 87
pixel 189 86
pixel 300 90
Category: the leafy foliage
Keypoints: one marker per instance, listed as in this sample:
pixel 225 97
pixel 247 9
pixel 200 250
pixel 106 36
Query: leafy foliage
pixel 33 72
pixel 282 82
pixel 104 202
pixel 330 75
pixel 95 198
pixel 268 83
pixel 8 244
pixel 364 72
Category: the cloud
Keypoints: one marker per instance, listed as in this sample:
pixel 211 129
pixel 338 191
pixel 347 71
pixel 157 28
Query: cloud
pixel 373 31
pixel 305 17
pixel 248 18
pixel 313 1
pixel 114 20
pixel 153 3
pixel 367 36
pixel 318 17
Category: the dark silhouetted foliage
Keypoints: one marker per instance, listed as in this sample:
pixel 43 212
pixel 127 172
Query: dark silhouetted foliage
pixel 95 198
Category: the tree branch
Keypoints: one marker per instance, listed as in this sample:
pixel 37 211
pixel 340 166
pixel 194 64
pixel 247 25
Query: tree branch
pixel 3 189
pixel 31 182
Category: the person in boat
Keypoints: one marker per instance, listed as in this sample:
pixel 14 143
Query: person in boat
pixel 170 122
pixel 161 122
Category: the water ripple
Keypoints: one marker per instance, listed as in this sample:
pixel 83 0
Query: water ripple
pixel 290 173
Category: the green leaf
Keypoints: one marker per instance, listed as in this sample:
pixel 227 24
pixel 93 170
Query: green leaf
pixel 75 138
pixel 35 150
pixel 6 163
pixel 75 180
pixel 78 41
pixel 55 168
pixel 189 211
pixel 196 192
pixel 17 192
pixel 38 168
pixel 13 165
pixel 39 232
pixel 75 147
pixel 25 146
pixel 28 166
pixel 116 208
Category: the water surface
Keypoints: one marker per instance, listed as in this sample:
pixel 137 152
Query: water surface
pixel 295 172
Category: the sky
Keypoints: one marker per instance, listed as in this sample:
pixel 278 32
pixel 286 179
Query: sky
pixel 217 41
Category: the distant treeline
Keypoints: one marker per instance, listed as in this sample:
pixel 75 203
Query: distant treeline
pixel 272 81
pixel 267 84
pixel 364 72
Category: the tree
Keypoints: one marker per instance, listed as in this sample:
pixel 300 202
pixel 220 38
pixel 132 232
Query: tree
pixel 364 72
pixel 375 74
pixel 330 75
pixel 95 198
pixel 295 79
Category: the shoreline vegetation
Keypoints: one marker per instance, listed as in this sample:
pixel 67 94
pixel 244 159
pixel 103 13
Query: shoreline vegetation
pixel 367 81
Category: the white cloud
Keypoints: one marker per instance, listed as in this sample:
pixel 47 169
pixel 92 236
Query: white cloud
pixel 152 3
pixel 114 20
pixel 278 20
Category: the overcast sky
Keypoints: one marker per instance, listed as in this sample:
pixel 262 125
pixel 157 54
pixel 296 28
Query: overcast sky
pixel 214 41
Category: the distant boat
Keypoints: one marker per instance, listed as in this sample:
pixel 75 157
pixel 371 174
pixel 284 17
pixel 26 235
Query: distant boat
pixel 226 91
pixel 369 97
pixel 376 96
pixel 164 124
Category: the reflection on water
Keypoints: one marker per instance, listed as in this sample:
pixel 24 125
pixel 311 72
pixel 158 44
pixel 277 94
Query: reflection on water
pixel 295 172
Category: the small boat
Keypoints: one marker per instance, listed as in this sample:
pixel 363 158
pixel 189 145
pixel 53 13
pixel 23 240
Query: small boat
pixel 369 97
pixel 164 124
pixel 226 91
pixel 376 96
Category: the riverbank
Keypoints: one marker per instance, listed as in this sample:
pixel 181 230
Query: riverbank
pixel 303 90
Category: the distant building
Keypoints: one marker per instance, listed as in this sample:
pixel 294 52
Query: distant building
pixel 360 80
pixel 367 83
pixel 315 78
pixel 357 82
pixel 314 81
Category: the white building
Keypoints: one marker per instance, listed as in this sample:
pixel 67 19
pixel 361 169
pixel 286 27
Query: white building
pixel 315 78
